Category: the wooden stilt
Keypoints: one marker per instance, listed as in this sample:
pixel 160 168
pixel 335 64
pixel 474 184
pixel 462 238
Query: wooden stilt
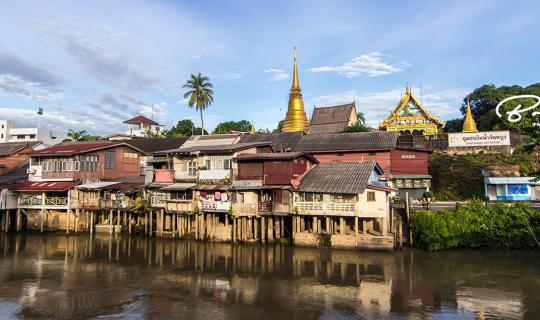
pixel 91 222
pixel 356 229
pixel 67 221
pixel 111 226
pixel 234 230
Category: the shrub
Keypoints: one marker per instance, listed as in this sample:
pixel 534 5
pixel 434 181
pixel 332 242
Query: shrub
pixel 477 226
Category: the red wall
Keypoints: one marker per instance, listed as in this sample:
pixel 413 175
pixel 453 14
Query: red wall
pixel 396 161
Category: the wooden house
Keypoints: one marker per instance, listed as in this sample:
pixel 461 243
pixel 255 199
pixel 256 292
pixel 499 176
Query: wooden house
pixel 342 204
pixel 406 168
pixel 262 193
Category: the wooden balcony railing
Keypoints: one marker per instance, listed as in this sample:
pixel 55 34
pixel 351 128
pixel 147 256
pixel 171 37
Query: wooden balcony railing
pixel 326 208
pixel 245 209
pixel 30 201
pixel 181 205
pixel 265 207
pixel 281 207
pixel 205 205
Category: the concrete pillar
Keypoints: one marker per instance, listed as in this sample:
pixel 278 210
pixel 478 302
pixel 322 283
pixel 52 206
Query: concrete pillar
pixel 384 226
pixel 67 221
pixel 328 225
pixel 118 221
pixel 356 229
pixel 111 221
pixel 91 222
pixel 282 227
pixel 294 223
pixel 234 230
pixel 364 226
pixel 150 223
pixel 319 222
pixel 19 220
pixel 76 228
pixel 263 229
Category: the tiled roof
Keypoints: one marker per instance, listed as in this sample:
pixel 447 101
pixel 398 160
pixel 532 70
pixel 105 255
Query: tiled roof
pixel 218 148
pixel 72 148
pixel 14 175
pixel 141 119
pixel 338 177
pixel 148 145
pixel 43 186
pixel 330 119
pixel 10 148
pixel 281 141
pixel 347 141
pixel 275 156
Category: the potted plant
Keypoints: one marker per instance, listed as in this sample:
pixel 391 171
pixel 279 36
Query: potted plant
pixel 428 196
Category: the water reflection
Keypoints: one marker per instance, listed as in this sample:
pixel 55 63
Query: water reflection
pixel 83 276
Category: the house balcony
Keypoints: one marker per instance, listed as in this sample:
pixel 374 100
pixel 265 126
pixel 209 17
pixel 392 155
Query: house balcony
pixel 184 206
pixel 101 204
pixel 326 208
pixel 58 175
pixel 261 208
pixel 37 202
pixel 220 206
pixel 214 174
pixel 184 175
pixel 245 209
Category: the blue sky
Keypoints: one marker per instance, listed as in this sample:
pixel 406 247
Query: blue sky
pixel 93 64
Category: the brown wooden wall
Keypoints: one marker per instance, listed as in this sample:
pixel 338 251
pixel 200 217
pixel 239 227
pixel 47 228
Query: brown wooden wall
pixel 409 161
pixel 381 157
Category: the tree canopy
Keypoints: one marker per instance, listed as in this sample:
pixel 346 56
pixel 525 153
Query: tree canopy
pixel 200 94
pixel 81 135
pixel 224 127
pixel 184 128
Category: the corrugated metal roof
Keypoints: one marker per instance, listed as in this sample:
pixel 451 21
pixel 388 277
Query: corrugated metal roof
pixel 211 187
pixel 220 148
pixel 179 186
pixel 125 187
pixel 338 177
pixel 275 156
pixel 378 140
pixel 43 186
pixel 511 180
pixel 95 185
pixel 149 145
pixel 141 119
pixel 280 141
pixel 10 148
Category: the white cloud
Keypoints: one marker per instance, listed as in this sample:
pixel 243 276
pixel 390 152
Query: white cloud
pixel 26 89
pixel 371 64
pixel 377 105
pixel 154 111
pixel 228 76
pixel 276 74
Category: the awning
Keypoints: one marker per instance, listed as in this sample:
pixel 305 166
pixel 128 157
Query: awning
pixel 211 187
pixel 95 185
pixel 43 186
pixel 179 186
pixel 157 160
pixel 511 180
pixel 157 185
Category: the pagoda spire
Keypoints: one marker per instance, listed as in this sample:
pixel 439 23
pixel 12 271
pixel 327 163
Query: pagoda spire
pixel 469 125
pixel 296 119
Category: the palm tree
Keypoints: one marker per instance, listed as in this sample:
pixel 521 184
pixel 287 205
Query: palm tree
pixel 200 94
pixel 76 135
pixel 361 118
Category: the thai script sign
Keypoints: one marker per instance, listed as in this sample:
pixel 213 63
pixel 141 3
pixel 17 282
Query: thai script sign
pixel 479 139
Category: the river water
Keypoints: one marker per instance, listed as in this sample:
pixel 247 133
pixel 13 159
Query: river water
pixel 54 276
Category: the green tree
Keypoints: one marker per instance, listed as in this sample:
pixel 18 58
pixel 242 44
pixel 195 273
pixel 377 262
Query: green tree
pixel 454 125
pixel 81 135
pixel 224 127
pixel 361 118
pixel 356 128
pixel 183 128
pixel 200 94
pixel 279 126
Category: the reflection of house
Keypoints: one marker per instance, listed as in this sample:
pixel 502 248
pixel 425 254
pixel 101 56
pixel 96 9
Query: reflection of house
pixel 410 117
pixel 333 119
pixel 343 204
pixel 406 168
pixel 141 126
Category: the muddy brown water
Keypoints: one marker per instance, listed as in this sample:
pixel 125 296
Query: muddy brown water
pixel 54 276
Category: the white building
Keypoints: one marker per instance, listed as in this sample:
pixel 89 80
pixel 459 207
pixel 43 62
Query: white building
pixel 10 133
pixel 141 126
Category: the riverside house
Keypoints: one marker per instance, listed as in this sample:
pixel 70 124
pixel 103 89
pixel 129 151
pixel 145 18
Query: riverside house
pixel 344 205
pixel 262 193
pixel 405 168
pixel 49 200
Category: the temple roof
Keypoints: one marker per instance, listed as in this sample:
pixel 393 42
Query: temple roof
pixel 295 119
pixel 469 125
pixel 331 119
pixel 409 97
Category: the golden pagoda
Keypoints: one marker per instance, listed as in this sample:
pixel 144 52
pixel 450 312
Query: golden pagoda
pixel 469 125
pixel 409 117
pixel 296 119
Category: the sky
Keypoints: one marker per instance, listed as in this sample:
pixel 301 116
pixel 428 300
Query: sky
pixel 93 64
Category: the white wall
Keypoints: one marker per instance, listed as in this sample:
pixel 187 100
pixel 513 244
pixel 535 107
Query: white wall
pixel 9 133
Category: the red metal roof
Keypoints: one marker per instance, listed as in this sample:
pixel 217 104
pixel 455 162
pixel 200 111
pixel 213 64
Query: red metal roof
pixel 69 149
pixel 141 119
pixel 43 186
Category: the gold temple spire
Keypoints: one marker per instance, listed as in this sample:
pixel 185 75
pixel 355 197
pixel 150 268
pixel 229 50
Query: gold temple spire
pixel 469 125
pixel 296 119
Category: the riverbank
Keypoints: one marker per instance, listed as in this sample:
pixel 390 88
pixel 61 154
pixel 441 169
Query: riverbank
pixel 475 225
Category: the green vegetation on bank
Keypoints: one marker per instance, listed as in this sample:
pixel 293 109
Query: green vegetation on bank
pixel 459 177
pixel 475 225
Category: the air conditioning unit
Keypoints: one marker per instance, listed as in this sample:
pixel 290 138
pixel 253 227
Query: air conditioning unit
pixel 31 171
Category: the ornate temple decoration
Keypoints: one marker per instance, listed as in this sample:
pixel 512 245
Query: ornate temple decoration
pixel 410 117
pixel 296 119
pixel 469 125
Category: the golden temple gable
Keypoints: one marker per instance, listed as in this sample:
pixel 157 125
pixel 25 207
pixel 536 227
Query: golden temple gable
pixel 409 117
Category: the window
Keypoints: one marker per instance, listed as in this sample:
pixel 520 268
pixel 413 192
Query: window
pixel 207 164
pixel 32 136
pixel 67 165
pixel 227 163
pixel 20 137
pixel 313 197
pixel 110 160
pixel 371 196
pixel 192 167
pixel 89 163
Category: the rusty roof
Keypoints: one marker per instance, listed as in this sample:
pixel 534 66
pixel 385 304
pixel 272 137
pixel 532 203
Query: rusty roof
pixel 275 156
pixel 339 177
pixel 43 186
pixel 73 148
pixel 281 141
